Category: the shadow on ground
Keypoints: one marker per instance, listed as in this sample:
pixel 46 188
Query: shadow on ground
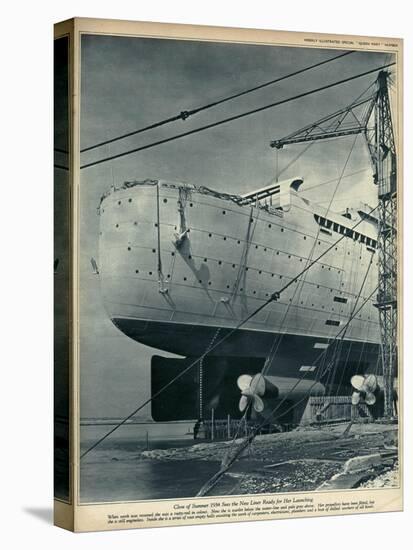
pixel 43 514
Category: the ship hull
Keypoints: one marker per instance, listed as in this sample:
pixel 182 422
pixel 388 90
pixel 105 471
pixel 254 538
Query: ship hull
pixel 181 270
pixel 295 353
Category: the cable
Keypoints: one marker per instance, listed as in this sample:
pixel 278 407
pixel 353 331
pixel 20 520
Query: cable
pixel 248 440
pixel 327 368
pixel 338 124
pixel 272 298
pixel 347 199
pixel 338 352
pixel 237 327
pixel 322 254
pixel 354 314
pixel 233 118
pixel 277 340
pixel 183 115
pixel 214 480
pixel 335 179
pixel 356 102
pixel 275 347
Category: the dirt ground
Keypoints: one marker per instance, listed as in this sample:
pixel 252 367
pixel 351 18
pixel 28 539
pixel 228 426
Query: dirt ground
pixel 300 460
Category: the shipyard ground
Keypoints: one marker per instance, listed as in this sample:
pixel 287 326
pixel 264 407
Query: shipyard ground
pixel 305 459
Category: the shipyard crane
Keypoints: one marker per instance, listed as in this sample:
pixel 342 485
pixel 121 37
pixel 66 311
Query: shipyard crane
pixel 375 123
pixel 381 145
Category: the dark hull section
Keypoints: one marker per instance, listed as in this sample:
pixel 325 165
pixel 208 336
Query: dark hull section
pixel 180 401
pixel 330 362
pixel 193 340
pixel 220 393
pixel 294 351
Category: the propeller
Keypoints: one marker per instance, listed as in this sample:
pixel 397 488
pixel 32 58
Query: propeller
pixel 252 389
pixel 366 386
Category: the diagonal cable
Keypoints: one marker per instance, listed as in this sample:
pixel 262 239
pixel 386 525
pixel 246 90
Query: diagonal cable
pixel 234 117
pixel 183 115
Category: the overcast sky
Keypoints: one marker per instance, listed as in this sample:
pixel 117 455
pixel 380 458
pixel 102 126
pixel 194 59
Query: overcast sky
pixel 127 83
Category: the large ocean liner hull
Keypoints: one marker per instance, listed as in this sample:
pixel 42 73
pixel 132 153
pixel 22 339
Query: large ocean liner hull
pixel 181 267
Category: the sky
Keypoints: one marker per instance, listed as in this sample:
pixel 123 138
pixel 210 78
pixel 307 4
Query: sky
pixel 128 83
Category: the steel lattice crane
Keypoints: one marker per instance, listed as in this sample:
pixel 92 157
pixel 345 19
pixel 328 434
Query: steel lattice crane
pixel 372 118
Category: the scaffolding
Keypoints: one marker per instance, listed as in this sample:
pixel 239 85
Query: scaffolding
pixel 371 117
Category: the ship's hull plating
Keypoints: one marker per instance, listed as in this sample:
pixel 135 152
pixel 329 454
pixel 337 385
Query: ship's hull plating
pixel 226 266
pixel 296 354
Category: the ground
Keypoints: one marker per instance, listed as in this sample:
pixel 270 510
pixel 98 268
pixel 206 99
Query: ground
pixel 387 479
pixel 300 460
